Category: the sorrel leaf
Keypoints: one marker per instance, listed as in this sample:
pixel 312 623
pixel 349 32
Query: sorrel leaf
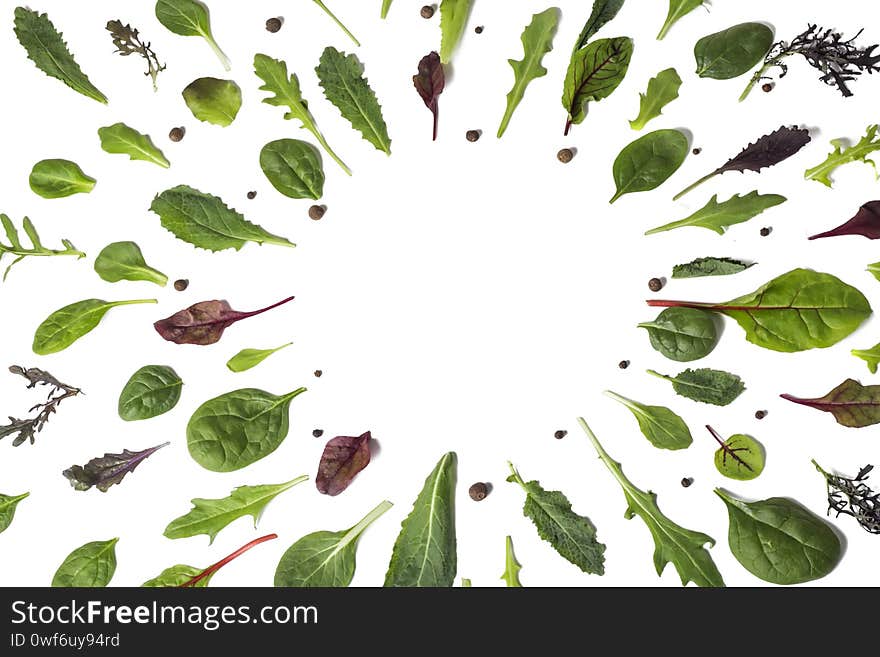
pixel 453 19
pixel 511 566
pixel 866 223
pixel 603 12
pixel 429 82
pixel 663 428
pixel 709 267
pixel 213 101
pixel 718 217
pixel 732 52
pixel 682 334
pixel 124 261
pixel 677 9
pixel 203 323
pixel 91 565
pixel 8 504
pixel 851 403
pixel 59 178
pixel 150 392
pixel 105 471
pixel 122 140
pixel 649 161
pixel 594 72
pixel 662 90
pixel 294 168
pixel 184 576
pixel 189 18
pixel 705 385
pixel 343 458
pixel 739 457
pixel 68 324
pixel 249 358
pixel 844 154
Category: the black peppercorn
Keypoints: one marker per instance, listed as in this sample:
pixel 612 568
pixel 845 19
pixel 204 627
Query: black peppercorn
pixel 478 491
pixel 317 433
pixel 181 284
pixel 176 134
pixel 427 11
pixel 767 87
pixel 565 155
pixel 687 481
pixel 318 373
pixel 760 415
pixel 655 285
pixel 623 364
pixel 316 212
pixel 251 195
pixel 697 151
pixel 560 434
pixel 274 24
pixel 478 29
pixel 766 231
pixel 472 135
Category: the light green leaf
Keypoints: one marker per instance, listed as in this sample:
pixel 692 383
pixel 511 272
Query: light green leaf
pixel 151 391
pixel 123 261
pixel 718 217
pixel 870 356
pixel 677 9
pixel 213 101
pixel 662 90
pixel 8 503
pixel 121 139
pixel 59 178
pixel 739 457
pixel 249 358
pixel 189 18
pixel 386 5
pixel 663 428
pixel 453 19
pixel 844 154
pixel 68 324
pixel 511 566
pixel 20 252
pixel 91 565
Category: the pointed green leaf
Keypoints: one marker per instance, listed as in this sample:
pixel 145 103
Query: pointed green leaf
pixel 68 324
pixel 594 72
pixel 151 391
pixel 662 90
pixel 603 12
pixel 718 217
pixel 870 356
pixel 121 139
pixel 189 18
pixel 8 503
pixel 91 565
pixel 248 358
pixel 851 403
pixel 123 261
pixel 511 566
pixel 663 428
pixel 677 9
pixel 453 19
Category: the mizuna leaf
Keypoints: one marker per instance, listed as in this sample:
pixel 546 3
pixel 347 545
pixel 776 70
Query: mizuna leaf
pixel 662 90
pixel 648 162
pixel 851 404
pixel 537 40
pixel 705 385
pixel 91 565
pixel 324 559
pixel 211 516
pixel 151 391
pixel 844 154
pixel 342 78
pixel 770 149
pixel 343 458
pixel 19 251
pixel 189 18
pixel 453 19
pixel 123 140
pixel 206 222
pixel 286 93
pixel 709 267
pixel 424 553
pixel 203 323
pixel 571 535
pixel 594 72
pixel 870 356
pixel 294 168
pixel 213 101
pixel 184 576
pixel 46 48
pixel 677 9
pixel 67 325
pixel 107 470
pixel 8 503
pixel 672 543
pixel 249 358
pixel 511 566
pixel 59 178
pixel 866 223
pixel 739 457
pixel 718 217
pixel 663 428
pixel 123 261
pixel 429 82
pixel 799 310
pixel 603 12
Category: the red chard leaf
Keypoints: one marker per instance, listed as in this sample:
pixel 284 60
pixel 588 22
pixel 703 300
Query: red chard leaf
pixel 851 404
pixel 204 322
pixel 107 470
pixel 866 223
pixel 429 82
pixel 343 458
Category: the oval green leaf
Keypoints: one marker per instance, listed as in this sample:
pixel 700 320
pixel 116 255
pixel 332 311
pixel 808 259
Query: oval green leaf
pixel 648 162
pixel 213 101
pixel 189 18
pixel 151 391
pixel 294 168
pixel 682 336
pixel 67 325
pixel 249 358
pixel 59 178
pixel 732 52
pixel 91 565
pixel 123 261
pixel 663 428
pixel 739 457
pixel 123 140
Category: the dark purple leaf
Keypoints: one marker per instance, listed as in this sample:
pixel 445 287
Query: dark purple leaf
pixel 204 322
pixel 107 470
pixel 343 458
pixel 851 404
pixel 865 223
pixel 429 82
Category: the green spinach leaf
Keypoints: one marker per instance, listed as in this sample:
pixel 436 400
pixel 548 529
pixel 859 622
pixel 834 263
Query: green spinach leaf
pixel 67 325
pixel 189 18
pixel 150 392
pixel 511 566
pixel 739 457
pixel 594 72
pixel 8 503
pixel 123 261
pixel 249 358
pixel 649 161
pixel 684 334
pixel 89 566
pixel 213 101
pixel 677 9
pixel 294 168
pixel 663 428
pixel 59 178
pixel 705 385
pixel 662 90
pixel 123 140
pixel 710 267
pixel 732 52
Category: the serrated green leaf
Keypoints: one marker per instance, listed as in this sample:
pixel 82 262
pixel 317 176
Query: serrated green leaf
pixel 709 267
pixel 511 566
pixel 870 356
pixel 844 154
pixel 663 428
pixel 123 140
pixel 705 385
pixel 213 100
pixel 59 178
pixel 8 503
pixel 603 12
pixel 662 90
pixel 342 78
pixel 250 358
pixel 718 217
pixel 123 261
pixel 453 19
pixel 91 565
pixel 537 40
pixel 594 72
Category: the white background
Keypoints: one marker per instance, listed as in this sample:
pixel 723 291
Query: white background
pixel 459 296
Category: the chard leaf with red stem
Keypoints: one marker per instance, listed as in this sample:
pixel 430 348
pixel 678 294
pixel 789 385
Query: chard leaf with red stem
pixel 183 576
pixel 203 323
pixel 866 223
pixel 851 404
pixel 104 471
pixel 429 82
pixel 343 458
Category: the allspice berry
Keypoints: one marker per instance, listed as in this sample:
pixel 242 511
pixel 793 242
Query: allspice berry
pixel 559 435
pixel 274 24
pixel 181 284
pixel 655 284
pixel 686 482
pixel 565 155
pixel 766 231
pixel 472 135
pixel 427 11
pixel 478 491
pixel 623 364
pixel 318 373
pixel 766 87
pixel 317 433
pixel 697 151
pixel 760 415
pixel 478 29
pixel 176 134
pixel 251 196
pixel 316 212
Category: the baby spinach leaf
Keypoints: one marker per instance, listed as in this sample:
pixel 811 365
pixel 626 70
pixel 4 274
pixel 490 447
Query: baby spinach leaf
pixel 851 404
pixel 719 217
pixel 453 19
pixel 184 576
pixel 424 552
pixel 150 392
pixel 189 18
pixel 324 559
pixel 91 565
pixel 8 503
pixel 123 261
pixel 211 516
pixel 294 168
pixel 682 336
pixel 709 267
pixel 511 566
pixel 866 223
pixel 429 81
pixel 663 428
pixel 59 178
pixel 672 543
pixel 249 358
pixel 594 72
pixel 343 458
pixel 213 101
pixel 123 140
pixel 843 153
pixel 571 535
pixel 203 323
pixel 342 78
pixel 337 21
pixel 206 222
pixel 870 356
pixel 238 428
pixel 107 470
pixel 799 310
pixel 732 52
pixel 662 90
pixel 67 325
pixel 603 12
pixel 768 150
pixel 780 541
pixel 286 93
pixel 537 40
pixel 739 457
pixel 19 251
pixel 649 161
pixel 705 385
pixel 677 9
pixel 46 48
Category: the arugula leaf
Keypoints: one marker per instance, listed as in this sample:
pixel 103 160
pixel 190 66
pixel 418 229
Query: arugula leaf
pixel 603 12
pixel 211 516
pixel 677 9
pixel 851 404
pixel 571 535
pixel 46 48
pixel 511 566
pixel 213 101
pixel 453 19
pixel 91 565
pixel 648 162
pixel 870 356
pixel 424 552
pixel 8 503
pixel 325 559
pixel 123 261
pixel 866 223
pixel 20 252
pixel 682 334
pixel 339 22
pixel 151 391
pixel 732 52
pixel 184 576
pixel 537 40
pixel 342 78
pixel 105 471
pixel 206 222
pixel 250 358
pixel 59 178
pixel 190 18
pixel 739 457
pixel 844 154
pixel 68 324
pixel 673 543
pixel 121 139
pixel 286 93
pixel 719 217
pixel 662 90
pixel 594 72
pixel 705 385
pixel 663 428
pixel 294 168
pixel 709 267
